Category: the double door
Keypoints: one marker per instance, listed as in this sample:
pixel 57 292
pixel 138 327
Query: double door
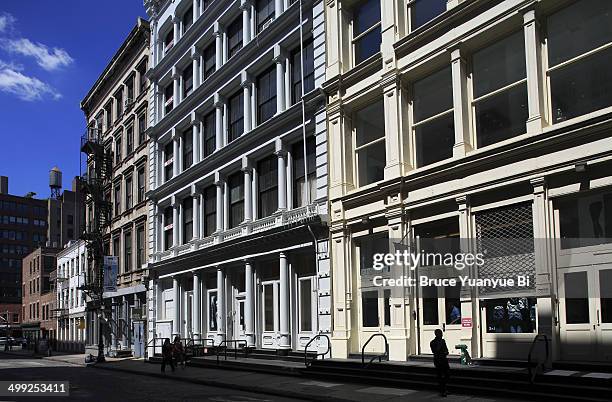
pixel 270 314
pixel 585 313
pixel 440 308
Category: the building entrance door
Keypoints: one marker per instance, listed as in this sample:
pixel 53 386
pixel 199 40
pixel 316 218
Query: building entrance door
pixel 585 312
pixel 270 296
pixel 439 308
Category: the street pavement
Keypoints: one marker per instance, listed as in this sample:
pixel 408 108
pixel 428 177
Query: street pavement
pixel 129 379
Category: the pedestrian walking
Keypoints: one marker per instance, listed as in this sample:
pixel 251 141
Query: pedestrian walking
pixel 179 352
pixel 167 355
pixel 440 352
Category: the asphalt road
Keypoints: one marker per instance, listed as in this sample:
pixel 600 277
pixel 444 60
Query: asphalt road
pixel 101 385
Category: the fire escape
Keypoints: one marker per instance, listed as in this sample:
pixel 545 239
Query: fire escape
pixel 97 176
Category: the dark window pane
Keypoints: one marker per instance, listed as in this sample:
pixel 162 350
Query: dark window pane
pixel 267 170
pixel 236 198
pixel 433 94
pixel 582 87
pixel 209 134
pixel 452 304
pixel 605 295
pixel 369 307
pixel 299 186
pixel 209 57
pixel 370 123
pixel 234 33
pixel 268 307
pixel 366 15
pixel 305 305
pixel 576 298
pixel 430 305
pixel 210 210
pixel 435 140
pixel 387 307
pixel 368 45
pixel 424 11
pixel 502 116
pixel 266 95
pixel 583 26
pixel 511 315
pixel 265 12
pixel 236 116
pixel 499 65
pixel 187 149
pixel 586 220
pixel 371 162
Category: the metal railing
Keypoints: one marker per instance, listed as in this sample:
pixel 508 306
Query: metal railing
pixel 152 343
pixel 540 365
pixel 307 362
pixel 379 356
pixel 236 342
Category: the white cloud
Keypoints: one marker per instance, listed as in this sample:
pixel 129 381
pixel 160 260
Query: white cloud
pixel 13 81
pixel 49 59
pixel 6 21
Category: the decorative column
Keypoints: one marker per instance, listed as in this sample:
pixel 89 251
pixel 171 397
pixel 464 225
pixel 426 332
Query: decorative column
pixel 281 153
pixel 463 143
pixel 176 330
pixel 245 6
pixel 219 103
pixel 176 87
pixel 279 58
pixel 220 305
pixel 394 140
pixel 195 132
pixel 196 10
pixel 220 184
pixel 195 307
pixel 249 304
pixel 246 82
pixel 175 222
pixel 218 34
pixel 126 326
pixel 535 102
pixel 177 28
pixel 248 178
pixel 278 8
pixel 195 65
pixel 195 195
pixel 285 303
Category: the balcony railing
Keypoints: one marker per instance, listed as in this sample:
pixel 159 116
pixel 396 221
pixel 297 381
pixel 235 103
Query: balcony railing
pixel 259 226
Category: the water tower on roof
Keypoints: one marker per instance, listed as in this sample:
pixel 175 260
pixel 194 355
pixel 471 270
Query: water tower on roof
pixel 55 182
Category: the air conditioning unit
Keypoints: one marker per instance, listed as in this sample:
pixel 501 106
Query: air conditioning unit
pixel 267 24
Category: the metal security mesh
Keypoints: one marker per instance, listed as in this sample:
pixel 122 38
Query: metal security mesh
pixel 505 238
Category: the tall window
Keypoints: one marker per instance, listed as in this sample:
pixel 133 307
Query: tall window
pixel 236 199
pixel 267 169
pixel 300 183
pixel 169 40
pixel 209 55
pixel 434 128
pixel 236 116
pixel 129 192
pixel 187 76
pixel 187 149
pixel 168 161
pixel 585 220
pixel 116 250
pixel 118 149
pixel 579 59
pixel 142 71
pixel 168 228
pixel 265 13
pixel 210 210
pixel 370 143
pixel 129 140
pixel 108 111
pixel 129 90
pixel 500 90
pixel 140 246
pixel 209 134
pixel 127 247
pixel 266 95
pixel 187 219
pixel 423 11
pixel 119 103
pixel 234 37
pixel 296 75
pixel 141 185
pixel 142 127
pixel 117 199
pixel 367 35
pixel 168 98
pixel 187 19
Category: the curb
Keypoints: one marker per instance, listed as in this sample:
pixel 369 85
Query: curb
pixel 221 384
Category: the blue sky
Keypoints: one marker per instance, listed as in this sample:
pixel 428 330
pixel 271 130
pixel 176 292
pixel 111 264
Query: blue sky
pixel 51 53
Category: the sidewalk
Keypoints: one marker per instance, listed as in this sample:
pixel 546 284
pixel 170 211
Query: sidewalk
pixel 279 385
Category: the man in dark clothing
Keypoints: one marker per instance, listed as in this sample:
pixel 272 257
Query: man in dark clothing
pixel 440 352
pixel 167 355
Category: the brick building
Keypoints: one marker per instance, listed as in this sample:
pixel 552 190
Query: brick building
pixel 38 290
